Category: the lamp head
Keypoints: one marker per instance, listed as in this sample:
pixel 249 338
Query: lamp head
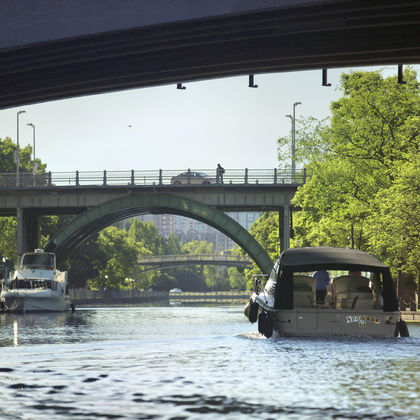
pixel 31 125
pixel 21 112
pixel 297 103
pixel 289 116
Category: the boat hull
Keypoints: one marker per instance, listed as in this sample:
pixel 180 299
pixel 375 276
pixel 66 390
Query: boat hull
pixel 313 322
pixel 22 304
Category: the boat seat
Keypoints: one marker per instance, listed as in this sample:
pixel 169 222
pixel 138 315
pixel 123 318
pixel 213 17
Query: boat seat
pixel 352 292
pixel 303 291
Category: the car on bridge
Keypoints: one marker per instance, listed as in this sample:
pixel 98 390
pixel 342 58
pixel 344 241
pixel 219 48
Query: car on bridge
pixel 191 177
pixel 176 290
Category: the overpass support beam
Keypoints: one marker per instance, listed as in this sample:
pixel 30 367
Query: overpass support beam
pixel 27 230
pixel 284 227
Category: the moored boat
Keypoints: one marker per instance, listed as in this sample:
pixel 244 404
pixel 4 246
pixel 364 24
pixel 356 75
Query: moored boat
pixel 36 285
pixel 360 298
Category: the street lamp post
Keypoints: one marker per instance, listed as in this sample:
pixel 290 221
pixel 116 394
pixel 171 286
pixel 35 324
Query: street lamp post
pixel 293 118
pixel 33 139
pixel 17 148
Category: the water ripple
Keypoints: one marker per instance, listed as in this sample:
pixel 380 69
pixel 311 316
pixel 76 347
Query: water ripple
pixel 198 363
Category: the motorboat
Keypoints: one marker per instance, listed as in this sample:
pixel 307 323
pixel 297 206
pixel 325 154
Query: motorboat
pixel 360 297
pixel 36 285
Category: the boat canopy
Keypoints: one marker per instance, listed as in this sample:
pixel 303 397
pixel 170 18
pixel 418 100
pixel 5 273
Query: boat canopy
pixel 307 259
pixel 324 257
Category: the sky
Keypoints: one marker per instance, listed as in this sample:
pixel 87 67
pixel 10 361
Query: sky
pixel 210 122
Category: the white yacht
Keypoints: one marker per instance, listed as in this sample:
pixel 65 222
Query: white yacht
pixel 36 285
pixel 360 299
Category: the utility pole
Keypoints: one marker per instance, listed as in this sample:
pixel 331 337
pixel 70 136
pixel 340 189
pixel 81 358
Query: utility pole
pixel 33 139
pixel 17 148
pixel 293 118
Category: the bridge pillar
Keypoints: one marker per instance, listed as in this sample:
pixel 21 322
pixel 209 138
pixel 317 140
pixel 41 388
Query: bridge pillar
pixel 27 230
pixel 284 227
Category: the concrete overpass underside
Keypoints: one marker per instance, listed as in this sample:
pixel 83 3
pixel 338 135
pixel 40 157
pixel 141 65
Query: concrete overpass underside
pixel 79 50
pixel 110 212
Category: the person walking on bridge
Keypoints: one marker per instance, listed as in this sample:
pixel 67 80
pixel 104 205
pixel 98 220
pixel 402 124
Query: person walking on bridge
pixel 219 174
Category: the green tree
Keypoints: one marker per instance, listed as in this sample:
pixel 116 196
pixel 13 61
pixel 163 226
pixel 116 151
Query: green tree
pixel 265 231
pixel 147 234
pixel 8 161
pixel 118 259
pixel 82 262
pixel 203 274
pixel 237 279
pixel 197 248
pixel 363 171
pixel 8 237
pixel 394 228
pixel 310 140
pixel 363 191
pixel 172 245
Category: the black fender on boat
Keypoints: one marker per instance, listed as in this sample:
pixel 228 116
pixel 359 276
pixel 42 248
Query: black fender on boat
pixel 265 324
pixel 251 311
pixel 401 329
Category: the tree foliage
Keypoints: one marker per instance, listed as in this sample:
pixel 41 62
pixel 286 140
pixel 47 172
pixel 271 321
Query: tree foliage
pixel 8 237
pixel 237 280
pixel 364 192
pixel 265 231
pixel 364 165
pixel 372 142
pixel 8 160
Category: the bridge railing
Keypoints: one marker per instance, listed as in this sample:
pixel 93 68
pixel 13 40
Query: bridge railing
pixel 155 259
pixel 153 177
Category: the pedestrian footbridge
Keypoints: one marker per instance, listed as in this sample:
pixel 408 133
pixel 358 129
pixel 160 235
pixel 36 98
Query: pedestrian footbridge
pixel 158 262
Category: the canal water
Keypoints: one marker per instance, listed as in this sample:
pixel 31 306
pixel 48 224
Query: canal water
pixel 197 363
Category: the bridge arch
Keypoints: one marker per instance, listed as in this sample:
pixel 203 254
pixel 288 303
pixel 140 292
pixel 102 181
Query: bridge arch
pixel 112 211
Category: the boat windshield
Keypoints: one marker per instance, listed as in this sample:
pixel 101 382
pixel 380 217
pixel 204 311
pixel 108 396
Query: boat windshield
pixel 44 261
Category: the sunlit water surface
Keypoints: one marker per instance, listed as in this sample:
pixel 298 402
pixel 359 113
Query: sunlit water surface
pixel 197 362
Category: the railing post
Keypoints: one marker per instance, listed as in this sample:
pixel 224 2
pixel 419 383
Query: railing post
pixel 132 177
pixel 104 177
pixel 275 175
pixel 77 179
pixel 189 175
pixel 304 175
pixel 246 175
pixel 49 178
pixel 160 177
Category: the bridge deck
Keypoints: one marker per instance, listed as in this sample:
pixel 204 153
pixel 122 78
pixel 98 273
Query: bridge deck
pixel 74 192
